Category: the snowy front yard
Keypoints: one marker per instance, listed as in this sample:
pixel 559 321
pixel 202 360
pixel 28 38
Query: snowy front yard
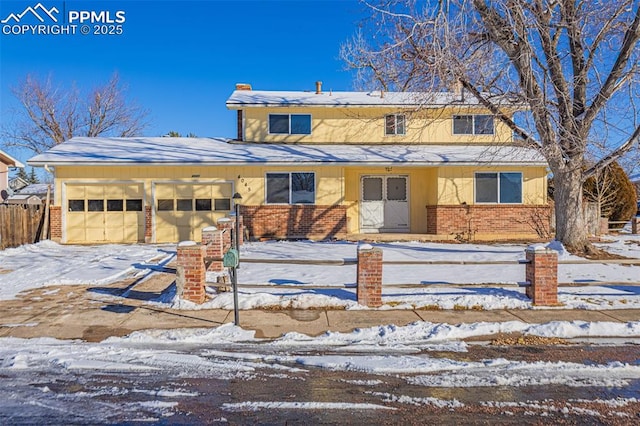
pixel 589 286
pixel 225 372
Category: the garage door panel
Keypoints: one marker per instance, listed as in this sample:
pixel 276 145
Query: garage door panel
pixel 202 220
pixel 133 219
pixel 132 234
pixel 76 192
pixel 133 191
pixel 183 218
pixel 76 235
pixel 114 220
pixel 164 191
pixel 114 192
pixel 166 234
pixel 94 192
pixel 184 191
pixel 202 191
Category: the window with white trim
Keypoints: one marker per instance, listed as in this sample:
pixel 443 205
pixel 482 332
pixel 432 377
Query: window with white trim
pixel 291 188
pixel 394 124
pixel 498 187
pixel 290 124
pixel 473 124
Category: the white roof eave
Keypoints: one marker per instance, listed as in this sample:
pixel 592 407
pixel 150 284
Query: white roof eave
pixel 294 163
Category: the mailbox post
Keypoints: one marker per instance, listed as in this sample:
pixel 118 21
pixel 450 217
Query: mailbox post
pixel 234 258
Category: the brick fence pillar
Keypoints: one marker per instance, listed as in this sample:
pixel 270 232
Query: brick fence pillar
pixel 232 217
pixel 55 223
pixel 603 226
pixel 369 280
pixel 212 241
pixel 226 226
pixel 148 225
pixel 635 225
pixel 542 276
pixel 190 272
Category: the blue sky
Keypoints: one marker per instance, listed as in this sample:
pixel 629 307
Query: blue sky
pixel 181 59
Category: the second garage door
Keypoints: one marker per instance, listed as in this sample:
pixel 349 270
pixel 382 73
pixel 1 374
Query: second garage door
pixel 183 209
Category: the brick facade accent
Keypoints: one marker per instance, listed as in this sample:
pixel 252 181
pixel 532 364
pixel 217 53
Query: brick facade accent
pixel 295 221
pixel 148 224
pixel 212 241
pixel 369 280
pixel 55 223
pixel 225 225
pixel 190 272
pixel 542 275
pixel 469 220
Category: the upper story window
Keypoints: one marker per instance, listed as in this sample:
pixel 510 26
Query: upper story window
pixel 473 124
pixel 290 124
pixel 394 124
pixel 291 188
pixel 502 188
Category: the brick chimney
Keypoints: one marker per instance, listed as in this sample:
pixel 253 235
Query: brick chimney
pixel 318 87
pixel 243 86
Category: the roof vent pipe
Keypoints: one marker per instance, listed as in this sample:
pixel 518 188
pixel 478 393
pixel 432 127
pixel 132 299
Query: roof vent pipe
pixel 318 87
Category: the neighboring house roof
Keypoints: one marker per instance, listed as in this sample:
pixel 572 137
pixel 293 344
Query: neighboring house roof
pixel 264 98
pixel 39 189
pixel 16 183
pixel 9 160
pixel 218 151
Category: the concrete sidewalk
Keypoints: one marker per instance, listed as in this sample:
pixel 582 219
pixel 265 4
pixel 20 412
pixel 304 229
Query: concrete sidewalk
pixel 94 313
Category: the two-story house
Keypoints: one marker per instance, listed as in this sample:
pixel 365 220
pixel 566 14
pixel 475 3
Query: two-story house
pixel 310 164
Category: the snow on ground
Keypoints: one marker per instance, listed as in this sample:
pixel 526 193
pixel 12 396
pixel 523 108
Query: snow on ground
pixel 47 263
pixel 228 352
pixel 593 286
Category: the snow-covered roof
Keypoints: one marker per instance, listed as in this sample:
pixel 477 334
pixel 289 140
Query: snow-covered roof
pixel 36 189
pixel 9 160
pixel 264 98
pixel 218 151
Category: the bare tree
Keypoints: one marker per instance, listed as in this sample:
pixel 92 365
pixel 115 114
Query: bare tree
pixel 572 63
pixel 50 115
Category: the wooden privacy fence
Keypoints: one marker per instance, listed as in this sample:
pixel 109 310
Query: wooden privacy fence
pixel 20 224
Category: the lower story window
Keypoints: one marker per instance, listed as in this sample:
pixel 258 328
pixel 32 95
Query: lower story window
pixel 499 187
pixel 291 188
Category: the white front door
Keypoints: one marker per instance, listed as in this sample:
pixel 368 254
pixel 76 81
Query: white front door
pixel 385 204
pixel 372 208
pixel 396 206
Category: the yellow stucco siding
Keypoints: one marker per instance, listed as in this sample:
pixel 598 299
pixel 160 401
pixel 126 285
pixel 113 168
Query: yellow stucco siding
pixel 367 125
pixel 335 185
pixel 456 184
pixel 249 180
